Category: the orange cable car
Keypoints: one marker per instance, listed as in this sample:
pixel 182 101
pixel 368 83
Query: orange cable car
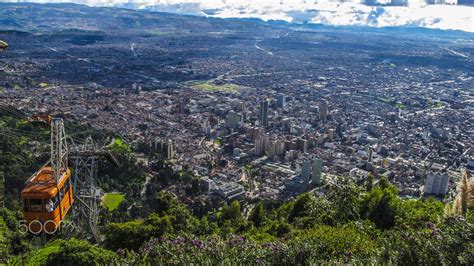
pixel 42 118
pixel 47 196
pixel 45 202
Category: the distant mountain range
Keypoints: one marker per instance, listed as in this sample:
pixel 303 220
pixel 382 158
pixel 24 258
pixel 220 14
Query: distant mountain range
pixel 436 14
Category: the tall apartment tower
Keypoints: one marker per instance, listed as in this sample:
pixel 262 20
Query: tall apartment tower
pixel 306 170
pixel 436 184
pixel 264 113
pixel 311 170
pixel 259 146
pixel 170 150
pixel 281 101
pixel 182 106
pixel 316 170
pixel 323 111
pixel 166 149
pixel 233 119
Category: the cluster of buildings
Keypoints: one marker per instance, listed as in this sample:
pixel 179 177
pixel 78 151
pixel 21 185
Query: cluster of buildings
pixel 293 118
pixel 163 148
pixel 309 176
pixel 289 139
pixel 436 184
pixel 228 190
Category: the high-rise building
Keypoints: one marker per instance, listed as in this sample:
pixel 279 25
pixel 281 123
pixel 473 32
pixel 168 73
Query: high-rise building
pixel 311 171
pixel 302 145
pixel 331 134
pixel 266 141
pixel 254 132
pixel 243 109
pixel 280 148
pixel 264 113
pixel 166 149
pixel 316 171
pixel 281 100
pixel 286 124
pixel 429 184
pixel 170 150
pixel 436 184
pixel 443 187
pixel 233 120
pixel 136 88
pixel 206 126
pixel 323 111
pixel 306 170
pixel 371 155
pixel 182 108
pixel 271 149
pixel 259 147
pixel 205 122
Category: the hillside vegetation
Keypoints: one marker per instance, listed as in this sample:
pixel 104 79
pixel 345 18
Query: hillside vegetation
pixel 367 224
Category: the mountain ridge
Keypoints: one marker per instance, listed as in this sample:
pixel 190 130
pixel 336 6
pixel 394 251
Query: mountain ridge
pixel 347 13
pixel 37 18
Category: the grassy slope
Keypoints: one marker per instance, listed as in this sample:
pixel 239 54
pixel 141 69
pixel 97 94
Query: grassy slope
pixel 112 200
pixel 207 86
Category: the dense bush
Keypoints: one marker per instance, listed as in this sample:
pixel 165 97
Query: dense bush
pixel 80 252
pixel 321 244
pixel 378 228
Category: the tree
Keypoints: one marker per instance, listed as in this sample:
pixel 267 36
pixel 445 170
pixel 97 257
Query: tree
pixel 162 202
pixel 333 243
pixel 232 212
pixel 369 182
pixel 183 220
pixel 456 241
pixel 380 205
pixel 80 252
pixel 409 247
pixel 302 207
pixel 418 213
pixel 383 214
pixel 130 235
pixel 160 224
pixel 257 215
pixel 279 228
pixel 344 195
pixel 384 183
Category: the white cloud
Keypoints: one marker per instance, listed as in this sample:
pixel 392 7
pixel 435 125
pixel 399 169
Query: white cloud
pixel 335 12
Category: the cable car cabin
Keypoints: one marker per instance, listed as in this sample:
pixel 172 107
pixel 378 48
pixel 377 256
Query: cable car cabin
pixel 45 202
pixel 42 118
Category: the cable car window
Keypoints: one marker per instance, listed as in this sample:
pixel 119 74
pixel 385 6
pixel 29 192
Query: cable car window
pixel 66 186
pixel 64 189
pixel 26 205
pixel 57 200
pixel 36 205
pixel 51 204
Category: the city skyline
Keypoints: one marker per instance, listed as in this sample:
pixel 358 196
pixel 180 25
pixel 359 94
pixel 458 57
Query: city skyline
pixel 132 137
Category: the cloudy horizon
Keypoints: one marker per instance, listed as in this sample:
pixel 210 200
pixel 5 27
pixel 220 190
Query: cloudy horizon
pixel 340 13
